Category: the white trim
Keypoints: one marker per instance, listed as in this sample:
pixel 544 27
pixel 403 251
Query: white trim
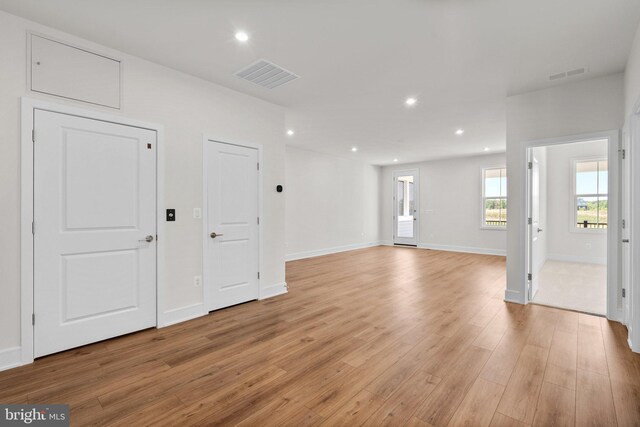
pixel 10 358
pixel 634 232
pixel 463 249
pixel 205 233
pixel 577 258
pixel 182 314
pixel 613 241
pixel 327 251
pixel 573 206
pixel 274 290
pixel 514 296
pixel 416 198
pixel 28 106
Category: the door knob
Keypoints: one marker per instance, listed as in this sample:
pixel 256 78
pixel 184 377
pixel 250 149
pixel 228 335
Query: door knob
pixel 147 239
pixel 540 230
pixel 214 235
pixel 625 240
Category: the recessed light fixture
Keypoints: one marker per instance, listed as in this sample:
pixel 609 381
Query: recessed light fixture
pixel 290 132
pixel 486 148
pixel 395 160
pixel 354 149
pixel 459 131
pixel 241 36
pixel 410 101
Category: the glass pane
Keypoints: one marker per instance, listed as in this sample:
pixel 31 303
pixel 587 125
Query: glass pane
pixel 492 183
pixel 493 212
pixel 603 210
pixel 603 178
pixel 586 212
pixel 503 183
pixel 406 205
pixel 587 177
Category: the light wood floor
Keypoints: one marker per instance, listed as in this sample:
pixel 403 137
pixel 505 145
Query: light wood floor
pixel 381 336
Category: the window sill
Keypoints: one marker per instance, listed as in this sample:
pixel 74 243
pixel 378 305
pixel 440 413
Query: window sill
pixel 488 227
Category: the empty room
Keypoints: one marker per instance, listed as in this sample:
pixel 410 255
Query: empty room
pixel 287 213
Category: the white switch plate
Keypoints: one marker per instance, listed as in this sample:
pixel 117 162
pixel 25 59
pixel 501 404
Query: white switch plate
pixel 197 213
pixel 197 281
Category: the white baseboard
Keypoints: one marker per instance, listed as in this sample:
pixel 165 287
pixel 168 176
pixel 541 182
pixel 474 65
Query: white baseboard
pixel 327 251
pixel 10 358
pixel 274 290
pixel 465 249
pixel 513 296
pixel 182 314
pixel 578 258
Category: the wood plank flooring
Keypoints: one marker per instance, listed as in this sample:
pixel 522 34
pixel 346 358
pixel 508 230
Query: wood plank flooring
pixel 379 336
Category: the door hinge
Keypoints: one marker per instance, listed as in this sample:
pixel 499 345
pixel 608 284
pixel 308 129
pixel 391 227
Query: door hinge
pixel 33 228
pixel 156 237
pixel 624 154
pixel 624 293
pixel 258 220
pixel 530 166
pixel 33 318
pixel 258 274
pixel 529 221
pixel 529 276
pixel 33 135
pixel 258 166
pixel 624 223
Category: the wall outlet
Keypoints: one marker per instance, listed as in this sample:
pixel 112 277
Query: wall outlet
pixel 197 281
pixel 197 213
pixel 588 245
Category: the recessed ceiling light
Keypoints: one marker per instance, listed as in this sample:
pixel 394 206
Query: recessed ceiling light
pixel 395 160
pixel 459 131
pixel 241 36
pixel 486 148
pixel 411 101
pixel 290 132
pixel 354 149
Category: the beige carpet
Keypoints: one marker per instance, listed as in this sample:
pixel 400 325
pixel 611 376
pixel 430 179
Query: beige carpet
pixel 572 285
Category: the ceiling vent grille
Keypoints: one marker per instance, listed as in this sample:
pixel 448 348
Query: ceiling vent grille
pixel 568 74
pixel 266 74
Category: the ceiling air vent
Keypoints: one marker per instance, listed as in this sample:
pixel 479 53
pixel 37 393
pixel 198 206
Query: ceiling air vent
pixel 266 74
pixel 558 76
pixel 568 74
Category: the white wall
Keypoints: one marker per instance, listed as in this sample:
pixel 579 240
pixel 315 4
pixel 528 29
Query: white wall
pixel 632 76
pixel 187 107
pixel 332 203
pixel 572 109
pixel 565 242
pixel 450 204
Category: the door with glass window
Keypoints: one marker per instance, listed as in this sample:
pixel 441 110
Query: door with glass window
pixel 405 207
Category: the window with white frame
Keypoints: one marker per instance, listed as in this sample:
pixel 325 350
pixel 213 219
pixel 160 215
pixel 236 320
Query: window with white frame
pixel 494 198
pixel 590 198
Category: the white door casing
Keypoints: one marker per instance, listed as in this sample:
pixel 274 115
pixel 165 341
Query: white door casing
pixel 94 206
pixel 406 218
pixel 231 265
pixel 535 229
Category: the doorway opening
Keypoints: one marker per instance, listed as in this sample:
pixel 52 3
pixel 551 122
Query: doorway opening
pixel 571 199
pixel 405 207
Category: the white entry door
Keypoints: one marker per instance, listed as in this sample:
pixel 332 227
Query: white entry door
pixel 231 242
pixel 94 231
pixel 535 228
pixel 405 207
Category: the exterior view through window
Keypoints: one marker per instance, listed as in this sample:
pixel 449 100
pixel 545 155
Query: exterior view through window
pixel 590 198
pixel 406 206
pixel 494 198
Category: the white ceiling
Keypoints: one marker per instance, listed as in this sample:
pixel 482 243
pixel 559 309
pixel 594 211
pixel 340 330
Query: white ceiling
pixel 359 59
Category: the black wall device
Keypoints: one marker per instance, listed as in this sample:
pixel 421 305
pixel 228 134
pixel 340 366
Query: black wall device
pixel 171 214
pixel 279 188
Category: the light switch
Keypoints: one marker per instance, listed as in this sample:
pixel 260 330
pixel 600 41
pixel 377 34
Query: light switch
pixel 197 213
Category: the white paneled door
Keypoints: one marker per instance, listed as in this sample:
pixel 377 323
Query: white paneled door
pixel 94 230
pixel 231 240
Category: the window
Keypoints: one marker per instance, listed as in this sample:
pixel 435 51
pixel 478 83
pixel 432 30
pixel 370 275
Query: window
pixel 590 197
pixel 494 198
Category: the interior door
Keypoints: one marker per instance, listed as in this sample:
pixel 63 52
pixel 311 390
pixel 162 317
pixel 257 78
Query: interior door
pixel 94 231
pixel 535 227
pixel 231 248
pixel 405 207
pixel 625 233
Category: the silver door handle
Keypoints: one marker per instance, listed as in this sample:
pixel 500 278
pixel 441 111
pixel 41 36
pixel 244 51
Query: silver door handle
pixel 540 230
pixel 214 235
pixel 147 239
pixel 625 240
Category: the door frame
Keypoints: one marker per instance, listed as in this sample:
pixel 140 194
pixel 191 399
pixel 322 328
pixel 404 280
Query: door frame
pixel 633 293
pixel 613 241
pixel 28 107
pixel 416 188
pixel 207 139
